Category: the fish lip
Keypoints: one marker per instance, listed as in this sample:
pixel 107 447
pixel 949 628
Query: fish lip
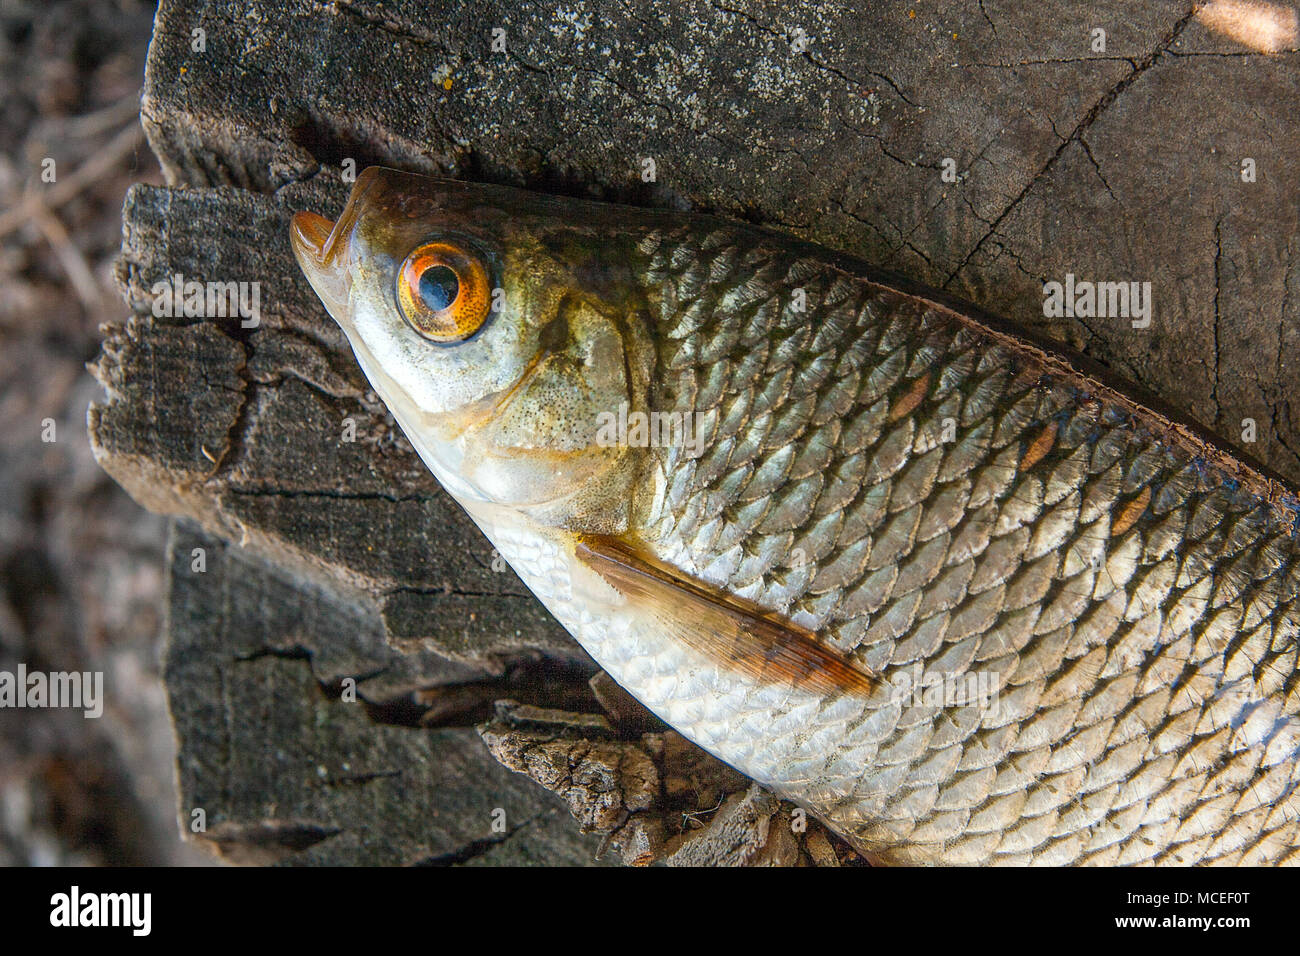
pixel 314 235
pixel 322 247
pixel 312 238
pixel 311 234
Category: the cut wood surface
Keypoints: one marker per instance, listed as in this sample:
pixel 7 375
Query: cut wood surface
pixel 282 761
pixel 836 122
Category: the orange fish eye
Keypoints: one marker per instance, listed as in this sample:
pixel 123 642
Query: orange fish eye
pixel 443 292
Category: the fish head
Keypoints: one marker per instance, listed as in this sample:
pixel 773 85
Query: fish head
pixel 495 324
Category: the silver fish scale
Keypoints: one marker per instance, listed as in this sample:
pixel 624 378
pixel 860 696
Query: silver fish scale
pixel 1135 610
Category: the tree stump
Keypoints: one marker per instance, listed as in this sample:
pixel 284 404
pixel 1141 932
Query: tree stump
pixel 984 149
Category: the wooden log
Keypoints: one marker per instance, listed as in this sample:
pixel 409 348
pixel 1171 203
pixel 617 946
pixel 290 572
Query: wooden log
pixel 291 748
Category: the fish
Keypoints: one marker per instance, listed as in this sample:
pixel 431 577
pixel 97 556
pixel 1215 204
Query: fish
pixel 950 588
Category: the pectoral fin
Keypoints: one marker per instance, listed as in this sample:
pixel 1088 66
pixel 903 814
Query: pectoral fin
pixel 735 633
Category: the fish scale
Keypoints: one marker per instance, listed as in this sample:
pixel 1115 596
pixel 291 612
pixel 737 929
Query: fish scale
pixel 1121 736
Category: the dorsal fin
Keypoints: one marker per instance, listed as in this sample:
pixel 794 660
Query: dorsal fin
pixel 736 633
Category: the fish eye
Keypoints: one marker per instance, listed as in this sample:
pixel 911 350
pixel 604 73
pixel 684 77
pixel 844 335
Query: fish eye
pixel 443 292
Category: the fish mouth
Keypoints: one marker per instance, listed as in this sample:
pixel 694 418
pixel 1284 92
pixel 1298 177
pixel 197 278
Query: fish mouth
pixel 310 234
pixel 317 238
pixel 313 239
pixel 322 246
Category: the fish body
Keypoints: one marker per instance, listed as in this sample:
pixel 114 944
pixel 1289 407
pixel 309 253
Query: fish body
pixel 954 594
